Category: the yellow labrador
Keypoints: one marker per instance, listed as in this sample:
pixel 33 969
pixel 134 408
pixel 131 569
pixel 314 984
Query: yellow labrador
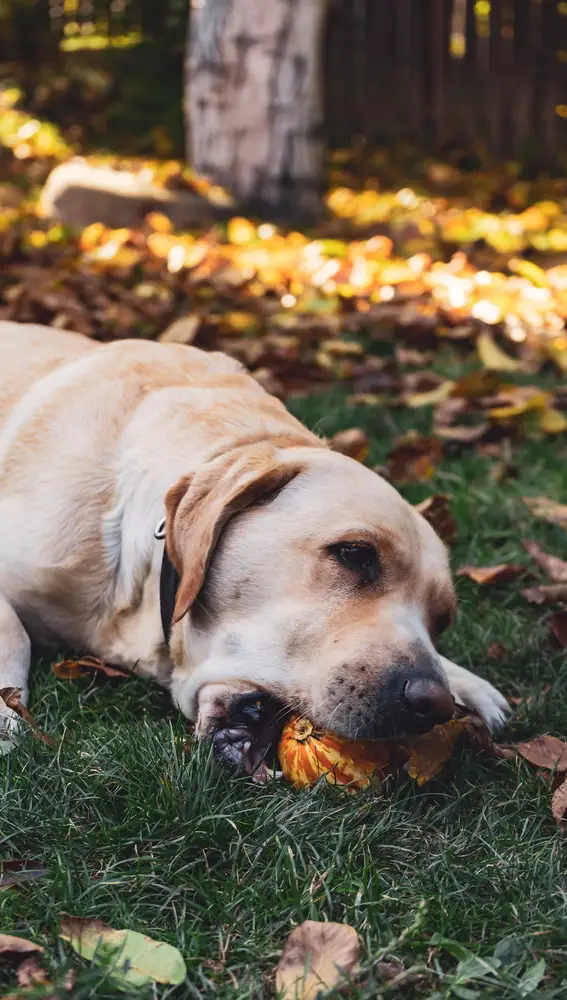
pixel 162 511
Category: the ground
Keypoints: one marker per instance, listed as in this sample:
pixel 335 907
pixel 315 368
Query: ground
pixel 137 831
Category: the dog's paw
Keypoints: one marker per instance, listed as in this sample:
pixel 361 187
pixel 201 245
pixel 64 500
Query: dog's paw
pixel 478 695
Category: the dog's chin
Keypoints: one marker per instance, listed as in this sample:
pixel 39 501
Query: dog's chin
pixel 246 740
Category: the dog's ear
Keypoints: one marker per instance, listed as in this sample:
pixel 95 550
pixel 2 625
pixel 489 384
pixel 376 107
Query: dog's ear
pixel 198 507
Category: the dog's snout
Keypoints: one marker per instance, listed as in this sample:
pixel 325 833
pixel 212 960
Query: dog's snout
pixel 427 702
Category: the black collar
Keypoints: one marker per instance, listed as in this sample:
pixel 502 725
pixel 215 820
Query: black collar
pixel 168 585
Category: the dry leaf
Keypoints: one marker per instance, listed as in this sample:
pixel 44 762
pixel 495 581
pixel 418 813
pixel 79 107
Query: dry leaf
pixel 317 957
pixel 11 698
pixel 429 753
pixel 488 575
pixel 414 457
pixel 558 623
pixel 559 802
pixel 548 752
pixel 16 948
pixel 437 511
pixel 353 442
pixel 548 510
pixel 497 651
pixel 493 357
pixel 31 973
pixel 15 872
pixel 70 670
pixel 555 568
pixel 183 331
pixel 546 593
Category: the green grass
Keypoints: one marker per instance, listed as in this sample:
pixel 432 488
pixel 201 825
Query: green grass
pixel 136 831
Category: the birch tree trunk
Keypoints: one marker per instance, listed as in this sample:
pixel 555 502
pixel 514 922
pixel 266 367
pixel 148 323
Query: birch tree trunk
pixel 254 100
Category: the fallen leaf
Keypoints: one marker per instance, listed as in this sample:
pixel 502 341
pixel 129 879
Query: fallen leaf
pixel 353 442
pixel 548 510
pixel 431 397
pixel 545 593
pixel 183 331
pixel 559 802
pixel 317 957
pixel 493 357
pixel 437 512
pixel 428 754
pixel 70 670
pixel 31 973
pixel 488 575
pixel 134 958
pixel 13 948
pixel 414 457
pixel 11 698
pixel 515 402
pixel 551 420
pixel 558 623
pixel 497 651
pixel 555 567
pixel 15 872
pixel 548 752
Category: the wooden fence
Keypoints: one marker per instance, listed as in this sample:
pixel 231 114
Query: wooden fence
pixel 488 72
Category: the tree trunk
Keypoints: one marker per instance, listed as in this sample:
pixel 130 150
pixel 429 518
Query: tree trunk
pixel 253 101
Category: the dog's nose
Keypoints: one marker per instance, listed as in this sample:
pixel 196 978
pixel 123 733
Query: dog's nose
pixel 428 702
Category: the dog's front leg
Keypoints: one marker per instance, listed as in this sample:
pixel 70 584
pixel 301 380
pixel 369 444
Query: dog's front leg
pixel 15 656
pixel 479 695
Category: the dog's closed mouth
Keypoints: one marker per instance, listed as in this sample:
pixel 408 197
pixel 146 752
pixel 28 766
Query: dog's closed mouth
pixel 248 741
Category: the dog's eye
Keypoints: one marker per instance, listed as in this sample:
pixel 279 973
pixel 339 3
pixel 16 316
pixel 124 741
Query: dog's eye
pixel 359 557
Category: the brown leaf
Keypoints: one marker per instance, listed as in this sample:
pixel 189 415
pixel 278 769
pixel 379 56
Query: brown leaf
pixel 412 357
pixel 559 803
pixel 555 567
pixel 497 651
pixel 489 575
pixel 32 973
pixel 429 753
pixel 414 457
pixel 15 872
pixel 548 752
pixel 548 510
pixel 317 957
pixel 546 593
pixel 437 511
pixel 353 442
pixel 15 949
pixel 70 670
pixel 477 384
pixel 558 622
pixel 11 698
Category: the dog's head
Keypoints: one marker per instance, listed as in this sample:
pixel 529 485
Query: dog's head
pixel 307 576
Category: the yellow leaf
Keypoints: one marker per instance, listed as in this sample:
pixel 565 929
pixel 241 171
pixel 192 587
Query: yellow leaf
pixel 552 421
pixel 529 270
pixel 493 358
pixel 431 398
pixel 521 400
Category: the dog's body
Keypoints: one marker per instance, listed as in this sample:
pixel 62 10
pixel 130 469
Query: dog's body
pixel 324 582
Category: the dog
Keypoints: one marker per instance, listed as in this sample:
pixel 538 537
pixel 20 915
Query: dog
pixel 162 511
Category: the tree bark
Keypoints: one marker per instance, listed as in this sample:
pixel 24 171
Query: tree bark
pixel 254 101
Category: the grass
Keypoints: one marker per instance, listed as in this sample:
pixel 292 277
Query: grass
pixel 136 831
